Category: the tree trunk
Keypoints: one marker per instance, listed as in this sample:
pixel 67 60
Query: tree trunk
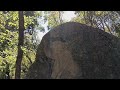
pixel 60 17
pixel 20 44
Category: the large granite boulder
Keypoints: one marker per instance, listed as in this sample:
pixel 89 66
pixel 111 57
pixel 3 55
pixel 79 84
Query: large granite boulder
pixel 77 51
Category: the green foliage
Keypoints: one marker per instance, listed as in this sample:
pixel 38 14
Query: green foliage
pixel 54 18
pixel 9 34
pixel 104 20
pixel 9 42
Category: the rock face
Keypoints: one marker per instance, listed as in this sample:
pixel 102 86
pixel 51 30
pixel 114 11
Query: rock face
pixel 76 51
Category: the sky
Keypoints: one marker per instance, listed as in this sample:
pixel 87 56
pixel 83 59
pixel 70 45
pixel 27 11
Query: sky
pixel 67 16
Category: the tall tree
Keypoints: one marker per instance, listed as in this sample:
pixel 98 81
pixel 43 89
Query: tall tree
pixel 104 20
pixel 20 44
pixel 9 27
pixel 55 18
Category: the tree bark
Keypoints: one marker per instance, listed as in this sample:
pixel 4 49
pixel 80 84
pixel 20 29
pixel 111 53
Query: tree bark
pixel 20 44
pixel 60 17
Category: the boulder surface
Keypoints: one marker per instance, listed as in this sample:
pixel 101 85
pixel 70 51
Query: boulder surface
pixel 76 51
